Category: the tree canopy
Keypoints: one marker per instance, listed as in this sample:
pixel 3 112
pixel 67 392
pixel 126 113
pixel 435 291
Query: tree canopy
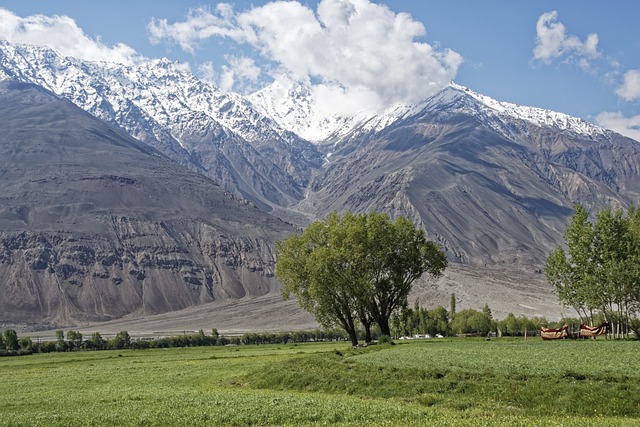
pixel 356 268
pixel 600 273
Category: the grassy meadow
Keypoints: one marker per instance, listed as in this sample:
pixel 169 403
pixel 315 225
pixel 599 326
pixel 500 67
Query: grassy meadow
pixel 446 382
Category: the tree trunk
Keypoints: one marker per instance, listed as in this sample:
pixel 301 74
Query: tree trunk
pixel 354 337
pixel 384 326
pixel 367 332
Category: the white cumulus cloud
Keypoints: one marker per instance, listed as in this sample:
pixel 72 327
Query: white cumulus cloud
pixel 201 24
pixel 359 51
pixel 616 121
pixel 630 88
pixel 553 42
pixel 62 34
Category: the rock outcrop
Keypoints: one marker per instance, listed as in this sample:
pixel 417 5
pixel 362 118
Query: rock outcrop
pixel 95 225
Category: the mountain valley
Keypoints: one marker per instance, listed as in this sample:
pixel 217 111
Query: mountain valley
pixel 132 192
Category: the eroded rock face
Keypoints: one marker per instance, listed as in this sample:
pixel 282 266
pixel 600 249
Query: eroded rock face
pixel 95 225
pixel 145 268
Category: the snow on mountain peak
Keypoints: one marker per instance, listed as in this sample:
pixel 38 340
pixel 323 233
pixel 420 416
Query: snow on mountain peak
pixel 167 93
pixel 537 116
pixel 164 95
pixel 294 108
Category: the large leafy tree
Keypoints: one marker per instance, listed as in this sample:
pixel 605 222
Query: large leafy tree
pixel 11 339
pixel 600 272
pixel 397 254
pixel 320 267
pixel 355 268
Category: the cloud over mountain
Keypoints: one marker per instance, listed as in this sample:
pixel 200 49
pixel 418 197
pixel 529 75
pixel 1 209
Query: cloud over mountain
pixel 352 50
pixel 62 34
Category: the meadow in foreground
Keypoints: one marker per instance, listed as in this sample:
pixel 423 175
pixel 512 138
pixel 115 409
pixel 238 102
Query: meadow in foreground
pixel 458 382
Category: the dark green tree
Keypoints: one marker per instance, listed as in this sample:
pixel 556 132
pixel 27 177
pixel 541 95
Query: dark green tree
pixel 355 268
pixel 438 321
pixel 120 341
pixel 11 339
pixel 470 321
pixel 487 311
pixel 600 273
pixel 26 344
pixel 512 325
pixel 395 255
pixel 61 344
pixel 96 342
pixel 75 339
pixel 452 305
pixel 572 274
pixel 322 268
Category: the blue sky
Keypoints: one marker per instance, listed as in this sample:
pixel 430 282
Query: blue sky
pixel 580 57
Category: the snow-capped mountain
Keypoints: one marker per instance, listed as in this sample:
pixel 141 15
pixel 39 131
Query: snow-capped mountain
pixel 173 103
pixel 460 99
pixel 160 87
pixel 191 121
pixel 391 160
pixel 293 107
pixel 494 183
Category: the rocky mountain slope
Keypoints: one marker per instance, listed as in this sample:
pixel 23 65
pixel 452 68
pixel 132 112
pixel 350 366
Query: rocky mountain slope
pixel 95 225
pixel 102 215
pixel 164 105
pixel 492 182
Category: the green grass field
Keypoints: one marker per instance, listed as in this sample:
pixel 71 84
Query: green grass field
pixel 458 382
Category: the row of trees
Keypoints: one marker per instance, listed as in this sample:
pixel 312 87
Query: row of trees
pixel 122 340
pixel 11 345
pixel 410 322
pixel 438 321
pixel 599 272
pixel 356 270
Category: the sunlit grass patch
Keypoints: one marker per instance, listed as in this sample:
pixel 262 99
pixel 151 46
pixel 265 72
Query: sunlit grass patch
pixel 414 384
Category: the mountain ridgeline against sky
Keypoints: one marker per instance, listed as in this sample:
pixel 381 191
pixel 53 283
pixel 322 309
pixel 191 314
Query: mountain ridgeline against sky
pixel 166 195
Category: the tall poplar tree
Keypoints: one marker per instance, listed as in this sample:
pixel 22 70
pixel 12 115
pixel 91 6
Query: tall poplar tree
pixel 601 271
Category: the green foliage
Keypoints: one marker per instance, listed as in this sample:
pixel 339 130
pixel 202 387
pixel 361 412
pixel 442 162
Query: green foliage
pixel 120 341
pixel 421 321
pixel 61 344
pixel 11 339
pixel 74 339
pixel 26 344
pixel 355 268
pixel 320 267
pixel 522 325
pixel 96 342
pixel 459 382
pixel 601 271
pixel 470 321
pixel 452 304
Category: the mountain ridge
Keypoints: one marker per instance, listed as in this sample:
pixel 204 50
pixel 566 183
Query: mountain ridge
pixel 494 183
pixel 95 225
pixel 294 111
pixel 218 134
